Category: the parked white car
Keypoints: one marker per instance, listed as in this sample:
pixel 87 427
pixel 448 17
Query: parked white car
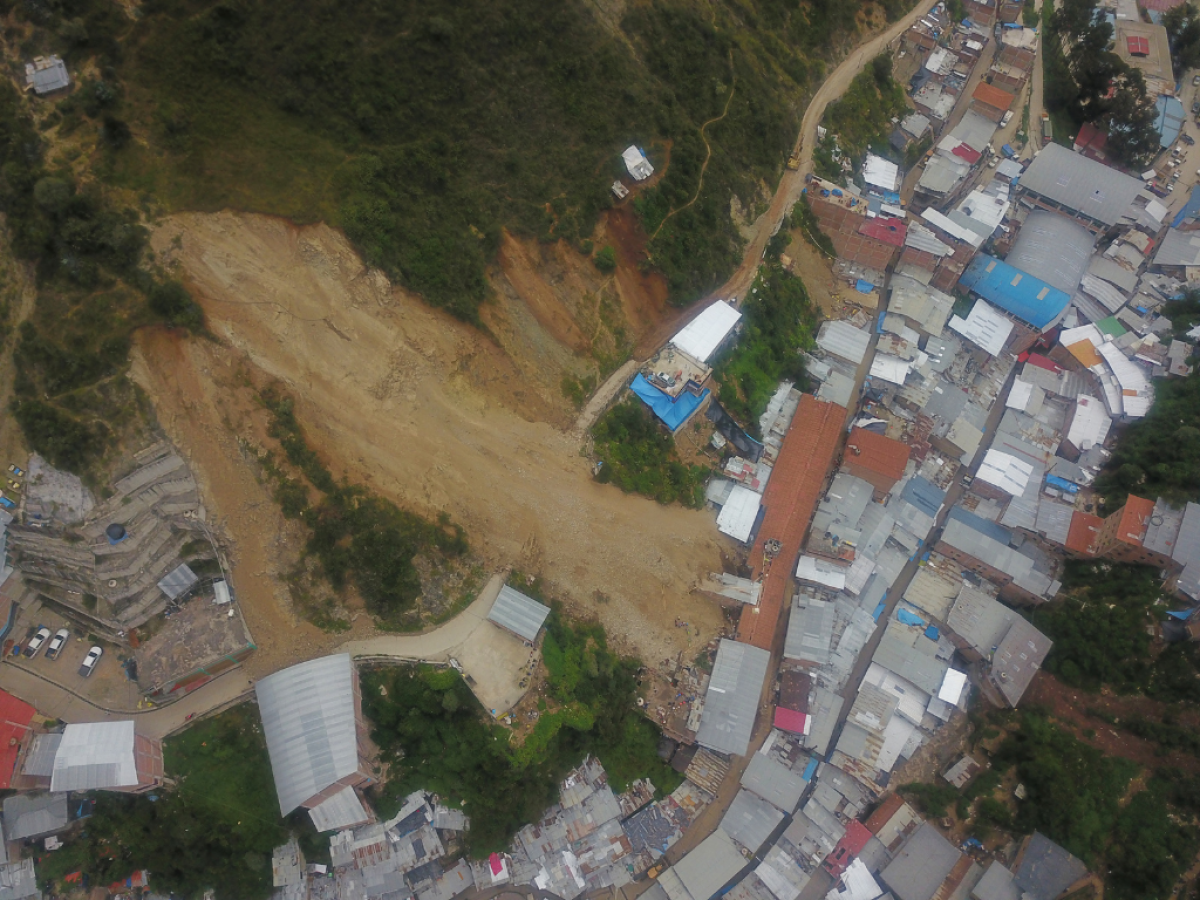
pixel 89 661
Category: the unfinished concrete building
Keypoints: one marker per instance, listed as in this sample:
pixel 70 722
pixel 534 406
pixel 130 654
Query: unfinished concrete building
pixel 110 569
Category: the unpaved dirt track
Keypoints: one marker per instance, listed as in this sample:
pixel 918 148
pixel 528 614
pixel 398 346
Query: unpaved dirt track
pixel 419 407
pixel 792 181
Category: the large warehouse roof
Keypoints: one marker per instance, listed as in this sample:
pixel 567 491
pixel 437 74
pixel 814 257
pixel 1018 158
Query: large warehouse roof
pixel 732 699
pixel 1053 248
pixel 308 714
pixel 701 336
pixel 94 756
pixel 1026 297
pixel 1080 184
pixel 710 866
pixel 521 615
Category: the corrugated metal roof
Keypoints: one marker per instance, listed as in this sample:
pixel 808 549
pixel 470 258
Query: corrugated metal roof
pixel 178 581
pixel 1018 658
pixel 701 336
pixel 1081 184
pixel 997 884
pixel 985 327
pixel 1053 248
pixel 1108 296
pixel 522 615
pixel 1163 528
pixel 1187 551
pixel 343 810
pixel 1137 393
pixel 810 631
pixel 750 820
pixel 921 238
pixel 39 761
pixel 1178 248
pixel 1115 274
pixel 1054 520
pixel 881 173
pixel 739 513
pixel 1047 869
pixel 710 866
pixel 731 703
pixel 980 619
pixel 95 756
pixel 308 714
pixel 774 782
pixel 921 865
pixel 844 340
pixel 34 815
pixel 1020 293
pixel 1005 472
pixel 928 307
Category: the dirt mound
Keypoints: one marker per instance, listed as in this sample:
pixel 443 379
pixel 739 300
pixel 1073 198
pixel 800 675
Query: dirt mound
pixel 422 409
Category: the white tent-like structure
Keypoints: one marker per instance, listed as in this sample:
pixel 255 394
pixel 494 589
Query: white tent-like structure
pixel 637 164
pixel 700 337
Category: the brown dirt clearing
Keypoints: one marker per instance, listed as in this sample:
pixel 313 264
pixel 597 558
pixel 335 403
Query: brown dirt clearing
pixel 417 406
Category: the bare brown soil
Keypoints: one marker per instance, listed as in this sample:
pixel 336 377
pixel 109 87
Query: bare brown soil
pixel 419 407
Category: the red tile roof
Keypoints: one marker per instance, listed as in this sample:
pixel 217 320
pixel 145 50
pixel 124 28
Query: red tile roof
pixel 883 813
pixel 791 497
pixel 878 453
pixel 1135 517
pixel 15 718
pixel 886 229
pixel 992 96
pixel 848 848
pixel 1085 529
pixel 1041 362
pixel 1138 46
pixel 967 152
pixel 790 720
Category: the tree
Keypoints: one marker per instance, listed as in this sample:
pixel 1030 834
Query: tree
pixel 52 195
pixel 605 259
pixel 1130 121
pixel 1183 30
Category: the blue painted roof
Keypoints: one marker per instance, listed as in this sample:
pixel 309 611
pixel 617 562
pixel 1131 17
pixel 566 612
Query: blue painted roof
pixel 674 412
pixel 980 524
pixel 1190 210
pixel 1170 119
pixel 1017 292
pixel 924 495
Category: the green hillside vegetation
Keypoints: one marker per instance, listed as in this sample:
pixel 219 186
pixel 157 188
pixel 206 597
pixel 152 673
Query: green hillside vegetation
pixel 778 322
pixel 424 133
pixel 435 735
pixel 356 536
pixel 71 397
pixel 861 119
pixel 638 456
pixel 215 829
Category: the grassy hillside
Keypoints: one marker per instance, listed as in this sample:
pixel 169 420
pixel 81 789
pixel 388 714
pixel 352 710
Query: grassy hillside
pixel 425 131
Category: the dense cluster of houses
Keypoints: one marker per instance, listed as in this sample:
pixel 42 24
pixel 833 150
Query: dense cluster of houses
pixel 48 769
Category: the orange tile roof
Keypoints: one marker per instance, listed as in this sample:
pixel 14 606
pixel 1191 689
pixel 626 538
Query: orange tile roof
pixel 1085 529
pixel 883 813
pixel 993 96
pixel 881 454
pixel 1135 516
pixel 1085 352
pixel 791 497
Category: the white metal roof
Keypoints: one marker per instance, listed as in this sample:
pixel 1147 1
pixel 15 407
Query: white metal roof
pixel 889 368
pixel 737 516
pixel 985 327
pixel 94 756
pixel 701 336
pixel 521 615
pixel 178 581
pixel 880 172
pixel 1137 394
pixel 1019 395
pixel 343 810
pixel 821 572
pixel 952 228
pixel 637 164
pixel 844 340
pixel 952 686
pixel 856 883
pixel 1006 472
pixel 308 714
pixel 1090 424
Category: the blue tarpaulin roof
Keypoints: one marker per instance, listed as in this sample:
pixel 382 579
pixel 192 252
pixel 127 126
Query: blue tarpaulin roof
pixel 1170 119
pixel 1062 484
pixel 1184 614
pixel 864 287
pixel 674 412
pixel 809 770
pixel 1017 292
pixel 1191 209
pixel 931 632
pixel 907 618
